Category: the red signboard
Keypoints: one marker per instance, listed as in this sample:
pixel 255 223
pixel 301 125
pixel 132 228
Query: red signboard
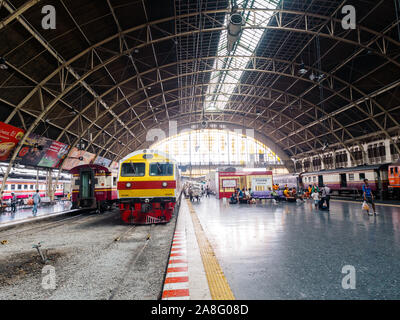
pixel 9 138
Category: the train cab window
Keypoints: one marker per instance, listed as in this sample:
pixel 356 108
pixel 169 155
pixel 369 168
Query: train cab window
pixel 132 169
pixel 362 176
pixel 161 169
pixel 396 170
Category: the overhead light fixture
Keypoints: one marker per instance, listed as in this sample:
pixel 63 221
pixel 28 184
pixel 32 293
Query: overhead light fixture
pixel 325 146
pixel 235 25
pixel 312 76
pixel 3 64
pixel 303 69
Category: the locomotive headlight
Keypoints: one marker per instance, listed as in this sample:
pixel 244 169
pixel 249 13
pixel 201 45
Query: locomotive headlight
pixel 129 185
pixel 165 184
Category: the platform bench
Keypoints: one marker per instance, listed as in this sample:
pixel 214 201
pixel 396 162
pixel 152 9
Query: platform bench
pixel 261 195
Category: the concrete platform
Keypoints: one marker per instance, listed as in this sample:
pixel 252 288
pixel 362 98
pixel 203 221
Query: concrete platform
pixel 23 215
pixel 293 251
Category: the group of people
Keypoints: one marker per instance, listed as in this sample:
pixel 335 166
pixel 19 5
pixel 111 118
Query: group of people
pixel 36 199
pixel 320 196
pixel 241 195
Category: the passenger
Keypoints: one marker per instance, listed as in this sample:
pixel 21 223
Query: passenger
pixel 247 195
pixel 240 195
pixel 316 198
pixel 326 196
pixel 275 187
pixel 13 202
pixel 36 201
pixel 308 192
pixel 190 194
pixel 315 188
pixel 286 193
pixel 233 198
pixel 368 196
pixel 294 193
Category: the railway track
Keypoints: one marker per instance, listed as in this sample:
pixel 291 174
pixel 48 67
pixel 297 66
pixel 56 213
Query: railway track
pixel 62 222
pixel 131 263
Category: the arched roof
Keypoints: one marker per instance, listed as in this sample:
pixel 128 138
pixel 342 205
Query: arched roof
pixel 114 69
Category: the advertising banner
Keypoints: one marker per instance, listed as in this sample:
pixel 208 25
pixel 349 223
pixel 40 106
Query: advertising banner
pixel 78 158
pixel 102 161
pixel 9 138
pixel 54 155
pixel 261 184
pixel 34 150
pixel 229 183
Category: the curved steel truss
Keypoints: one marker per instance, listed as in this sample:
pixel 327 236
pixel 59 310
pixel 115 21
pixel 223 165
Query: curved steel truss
pixel 108 88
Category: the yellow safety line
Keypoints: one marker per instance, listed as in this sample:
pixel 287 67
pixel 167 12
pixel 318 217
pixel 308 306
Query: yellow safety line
pixel 219 287
pixel 377 204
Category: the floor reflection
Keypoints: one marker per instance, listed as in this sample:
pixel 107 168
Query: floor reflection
pixel 292 251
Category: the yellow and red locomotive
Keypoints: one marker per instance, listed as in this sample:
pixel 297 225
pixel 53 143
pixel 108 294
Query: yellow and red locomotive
pixel 148 187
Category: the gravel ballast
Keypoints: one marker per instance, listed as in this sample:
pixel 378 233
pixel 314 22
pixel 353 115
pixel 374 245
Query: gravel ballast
pixel 95 257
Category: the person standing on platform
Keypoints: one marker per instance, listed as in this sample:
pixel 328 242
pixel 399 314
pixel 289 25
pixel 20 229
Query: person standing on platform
pixel 368 196
pixel 326 196
pixel 315 197
pixel 13 202
pixel 36 201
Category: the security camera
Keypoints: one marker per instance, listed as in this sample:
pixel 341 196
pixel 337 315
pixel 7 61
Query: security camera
pixel 204 124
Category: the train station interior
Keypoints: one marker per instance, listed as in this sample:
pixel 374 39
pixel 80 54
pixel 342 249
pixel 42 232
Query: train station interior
pixel 199 150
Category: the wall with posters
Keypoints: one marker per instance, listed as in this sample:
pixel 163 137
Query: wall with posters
pixel 42 152
pixel 9 138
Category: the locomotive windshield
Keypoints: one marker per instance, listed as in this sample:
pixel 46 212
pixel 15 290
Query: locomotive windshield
pixel 161 169
pixel 133 169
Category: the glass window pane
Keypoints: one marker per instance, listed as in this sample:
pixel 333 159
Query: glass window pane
pixel 133 169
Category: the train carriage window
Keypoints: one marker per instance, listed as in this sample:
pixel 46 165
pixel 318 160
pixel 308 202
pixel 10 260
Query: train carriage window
pixel 362 176
pixel 132 169
pixel 31 186
pixel 351 176
pixel 161 169
pixel 396 170
pixel 391 171
pixel 20 187
pixel 25 187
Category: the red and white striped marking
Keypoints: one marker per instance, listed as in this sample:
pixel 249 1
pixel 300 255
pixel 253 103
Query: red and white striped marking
pixel 176 286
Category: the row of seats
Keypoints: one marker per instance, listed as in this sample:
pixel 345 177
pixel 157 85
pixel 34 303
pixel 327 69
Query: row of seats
pixel 268 195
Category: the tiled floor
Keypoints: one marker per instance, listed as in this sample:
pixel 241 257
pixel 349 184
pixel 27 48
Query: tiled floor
pixel 292 251
pixel 21 213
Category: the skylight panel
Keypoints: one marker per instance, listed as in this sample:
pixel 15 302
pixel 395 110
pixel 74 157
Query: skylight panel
pixel 233 67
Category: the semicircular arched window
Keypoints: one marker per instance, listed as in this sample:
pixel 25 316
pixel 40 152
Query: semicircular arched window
pixel 211 146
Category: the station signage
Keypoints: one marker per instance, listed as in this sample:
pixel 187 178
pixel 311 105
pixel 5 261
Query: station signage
pixel 9 138
pixel 39 151
pixel 102 161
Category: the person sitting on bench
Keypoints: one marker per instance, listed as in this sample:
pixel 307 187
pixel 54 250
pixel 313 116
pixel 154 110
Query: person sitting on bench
pixel 234 198
pixel 240 195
